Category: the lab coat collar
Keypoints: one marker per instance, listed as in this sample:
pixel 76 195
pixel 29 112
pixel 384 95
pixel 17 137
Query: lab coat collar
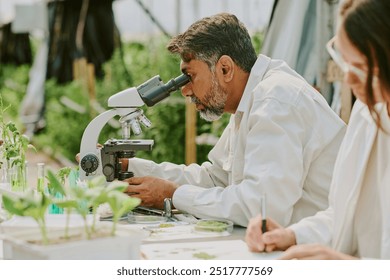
pixel 381 108
pixel 257 74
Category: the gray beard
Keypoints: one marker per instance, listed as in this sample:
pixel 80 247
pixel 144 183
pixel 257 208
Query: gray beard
pixel 210 116
pixel 214 103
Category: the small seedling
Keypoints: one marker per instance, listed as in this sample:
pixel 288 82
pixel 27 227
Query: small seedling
pixel 29 204
pixel 13 150
pixel 80 199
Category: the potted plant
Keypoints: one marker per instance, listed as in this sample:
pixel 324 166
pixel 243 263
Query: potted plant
pixel 96 240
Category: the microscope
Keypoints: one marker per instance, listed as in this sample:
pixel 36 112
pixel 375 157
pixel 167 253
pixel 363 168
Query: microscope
pixel 105 160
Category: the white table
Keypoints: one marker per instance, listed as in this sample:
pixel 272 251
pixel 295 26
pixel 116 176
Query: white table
pixel 181 242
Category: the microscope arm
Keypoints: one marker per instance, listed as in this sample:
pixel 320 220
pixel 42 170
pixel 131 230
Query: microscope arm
pixel 91 134
pixel 89 153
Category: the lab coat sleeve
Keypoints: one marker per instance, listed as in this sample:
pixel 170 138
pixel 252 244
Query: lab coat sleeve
pixel 315 229
pixel 273 165
pixel 319 228
pixel 199 175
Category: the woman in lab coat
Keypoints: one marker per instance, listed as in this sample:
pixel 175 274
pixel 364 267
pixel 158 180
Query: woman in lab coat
pixel 357 222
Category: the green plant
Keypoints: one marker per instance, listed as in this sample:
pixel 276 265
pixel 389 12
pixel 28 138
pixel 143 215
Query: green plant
pixel 87 196
pixel 119 202
pixel 13 150
pixel 81 198
pixel 29 204
pixel 13 85
pixel 64 125
pixel 62 174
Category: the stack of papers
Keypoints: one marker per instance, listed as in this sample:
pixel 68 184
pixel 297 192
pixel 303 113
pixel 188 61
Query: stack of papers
pixel 174 231
pixel 218 250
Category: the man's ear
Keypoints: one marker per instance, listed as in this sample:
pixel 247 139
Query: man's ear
pixel 227 66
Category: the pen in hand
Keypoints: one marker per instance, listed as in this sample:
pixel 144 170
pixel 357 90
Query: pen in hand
pixel 263 214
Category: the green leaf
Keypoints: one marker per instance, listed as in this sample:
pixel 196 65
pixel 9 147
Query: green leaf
pixel 9 204
pixel 30 146
pixel 66 203
pixel 54 184
pixel 98 181
pixel 63 173
pixel 118 186
pixel 127 205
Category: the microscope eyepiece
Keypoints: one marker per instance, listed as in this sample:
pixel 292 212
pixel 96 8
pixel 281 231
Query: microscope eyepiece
pixel 154 90
pixel 178 82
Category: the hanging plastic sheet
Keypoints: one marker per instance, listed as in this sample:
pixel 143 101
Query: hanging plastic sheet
pixel 298 33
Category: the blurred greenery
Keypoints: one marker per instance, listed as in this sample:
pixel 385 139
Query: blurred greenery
pixel 130 66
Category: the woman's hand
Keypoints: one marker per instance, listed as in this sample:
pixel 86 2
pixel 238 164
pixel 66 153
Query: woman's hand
pixel 314 252
pixel 276 237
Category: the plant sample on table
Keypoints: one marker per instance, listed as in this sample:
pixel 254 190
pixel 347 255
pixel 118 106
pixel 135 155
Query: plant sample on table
pixel 83 198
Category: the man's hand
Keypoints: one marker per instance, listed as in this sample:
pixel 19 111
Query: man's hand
pixel 314 252
pixel 151 190
pixel 276 237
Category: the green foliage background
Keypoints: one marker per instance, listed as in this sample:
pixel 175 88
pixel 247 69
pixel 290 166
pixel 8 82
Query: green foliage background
pixel 130 66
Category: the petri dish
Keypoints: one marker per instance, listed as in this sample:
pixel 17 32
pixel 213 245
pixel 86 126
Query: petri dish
pixel 138 218
pixel 213 226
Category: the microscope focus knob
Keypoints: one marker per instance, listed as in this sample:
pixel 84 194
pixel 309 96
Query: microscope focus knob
pixel 89 163
pixel 108 170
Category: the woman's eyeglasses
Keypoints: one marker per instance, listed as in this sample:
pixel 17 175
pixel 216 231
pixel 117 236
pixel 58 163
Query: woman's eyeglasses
pixel 345 67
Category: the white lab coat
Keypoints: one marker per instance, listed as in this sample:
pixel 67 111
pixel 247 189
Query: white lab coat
pixel 334 226
pixel 282 141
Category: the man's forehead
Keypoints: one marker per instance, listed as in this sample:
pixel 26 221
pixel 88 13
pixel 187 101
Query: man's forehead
pixel 192 65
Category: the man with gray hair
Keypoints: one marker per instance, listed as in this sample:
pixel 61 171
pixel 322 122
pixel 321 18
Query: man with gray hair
pixel 281 141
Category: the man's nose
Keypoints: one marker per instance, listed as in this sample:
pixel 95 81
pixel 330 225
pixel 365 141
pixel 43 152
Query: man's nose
pixel 186 90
